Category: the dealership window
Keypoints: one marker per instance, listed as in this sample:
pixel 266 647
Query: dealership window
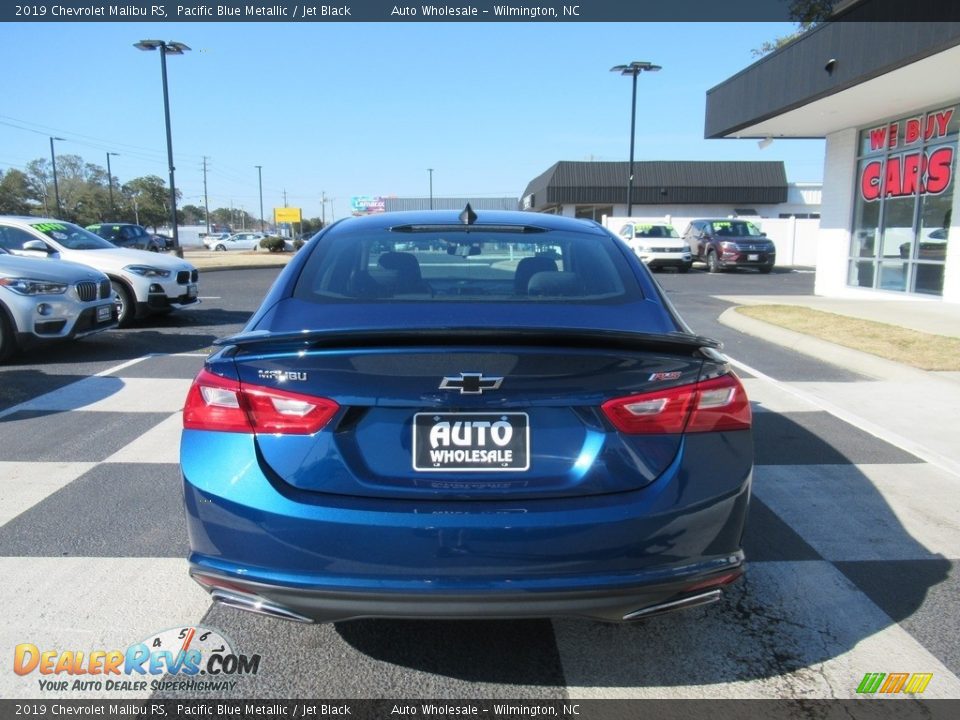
pixel 905 186
pixel 593 212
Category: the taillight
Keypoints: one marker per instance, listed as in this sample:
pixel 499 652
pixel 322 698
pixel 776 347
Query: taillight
pixel 707 406
pixel 217 403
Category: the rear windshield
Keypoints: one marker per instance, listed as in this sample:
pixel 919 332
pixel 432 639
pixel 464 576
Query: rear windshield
pixel 437 264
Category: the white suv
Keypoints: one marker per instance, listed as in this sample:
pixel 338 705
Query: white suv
pixel 658 245
pixel 44 301
pixel 144 282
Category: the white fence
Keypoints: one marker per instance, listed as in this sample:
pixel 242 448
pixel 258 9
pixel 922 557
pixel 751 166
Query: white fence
pixel 796 240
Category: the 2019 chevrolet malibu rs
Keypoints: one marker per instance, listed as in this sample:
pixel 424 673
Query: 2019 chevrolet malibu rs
pixel 507 420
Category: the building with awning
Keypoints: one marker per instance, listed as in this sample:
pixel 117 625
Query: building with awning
pixel 886 97
pixel 662 188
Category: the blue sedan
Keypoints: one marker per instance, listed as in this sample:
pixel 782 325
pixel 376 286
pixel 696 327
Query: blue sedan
pixel 436 415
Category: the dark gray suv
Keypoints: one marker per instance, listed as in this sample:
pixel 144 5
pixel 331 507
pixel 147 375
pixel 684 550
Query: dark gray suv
pixel 724 243
pixel 128 235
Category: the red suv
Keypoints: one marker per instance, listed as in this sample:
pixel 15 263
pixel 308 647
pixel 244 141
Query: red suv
pixel 724 243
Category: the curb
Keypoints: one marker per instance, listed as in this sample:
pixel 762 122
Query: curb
pixel 847 358
pixel 855 361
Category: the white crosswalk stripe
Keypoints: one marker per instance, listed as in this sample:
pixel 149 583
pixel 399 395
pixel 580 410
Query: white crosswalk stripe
pixel 798 627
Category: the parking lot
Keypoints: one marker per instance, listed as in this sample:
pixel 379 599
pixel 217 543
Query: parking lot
pixel 852 541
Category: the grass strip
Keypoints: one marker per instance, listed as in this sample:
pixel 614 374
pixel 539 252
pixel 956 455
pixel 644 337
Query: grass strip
pixel 910 347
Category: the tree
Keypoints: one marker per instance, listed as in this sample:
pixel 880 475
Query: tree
pixel 16 193
pixel 84 197
pixel 149 198
pixel 235 218
pixel 193 215
pixel 806 14
pixel 311 226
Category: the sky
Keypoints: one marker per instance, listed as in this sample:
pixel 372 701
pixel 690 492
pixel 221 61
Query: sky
pixel 346 109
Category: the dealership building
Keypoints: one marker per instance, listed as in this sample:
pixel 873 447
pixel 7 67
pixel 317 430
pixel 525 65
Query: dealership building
pixel 886 97
pixel 595 190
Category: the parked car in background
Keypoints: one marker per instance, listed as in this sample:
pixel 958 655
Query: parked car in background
pixel 658 245
pixel 128 235
pixel 216 241
pixel 43 301
pixel 724 243
pixel 165 240
pixel 521 426
pixel 237 241
pixel 144 282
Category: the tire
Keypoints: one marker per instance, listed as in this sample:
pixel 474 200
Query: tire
pixel 713 262
pixel 8 341
pixel 220 248
pixel 765 269
pixel 125 307
pixel 684 268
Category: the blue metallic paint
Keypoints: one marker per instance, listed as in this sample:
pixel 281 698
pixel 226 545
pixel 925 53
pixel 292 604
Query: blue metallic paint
pixel 327 525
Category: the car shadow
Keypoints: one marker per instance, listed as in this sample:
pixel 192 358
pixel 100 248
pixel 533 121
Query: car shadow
pixel 199 317
pixel 800 606
pixel 25 376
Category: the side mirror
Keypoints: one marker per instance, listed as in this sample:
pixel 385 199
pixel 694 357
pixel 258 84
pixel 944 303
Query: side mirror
pixel 763 234
pixel 38 246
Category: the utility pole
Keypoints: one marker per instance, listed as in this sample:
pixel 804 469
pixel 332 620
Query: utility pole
pixel 110 181
pixel 323 207
pixel 260 180
pixel 56 186
pixel 284 197
pixel 206 205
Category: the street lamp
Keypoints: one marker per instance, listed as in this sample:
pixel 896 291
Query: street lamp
pixel 167 48
pixel 430 170
pixel 56 187
pixel 110 179
pixel 260 181
pixel 632 70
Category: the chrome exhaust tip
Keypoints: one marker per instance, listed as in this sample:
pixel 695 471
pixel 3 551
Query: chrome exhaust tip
pixel 255 604
pixel 691 601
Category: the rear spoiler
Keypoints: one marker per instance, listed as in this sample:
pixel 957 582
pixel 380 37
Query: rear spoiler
pixel 675 342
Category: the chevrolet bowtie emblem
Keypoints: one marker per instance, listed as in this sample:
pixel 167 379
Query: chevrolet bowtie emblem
pixel 470 383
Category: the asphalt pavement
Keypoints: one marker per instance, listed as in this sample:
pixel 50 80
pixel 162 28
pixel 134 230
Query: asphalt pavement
pixel 853 540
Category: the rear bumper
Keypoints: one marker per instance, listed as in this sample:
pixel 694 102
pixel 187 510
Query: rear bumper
pixel 332 557
pixel 702 587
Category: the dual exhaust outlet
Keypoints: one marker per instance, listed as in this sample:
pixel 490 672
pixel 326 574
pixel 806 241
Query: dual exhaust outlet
pixel 262 606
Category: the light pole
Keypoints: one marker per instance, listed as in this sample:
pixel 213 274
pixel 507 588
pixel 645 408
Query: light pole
pixel 430 170
pixel 632 70
pixel 56 187
pixel 260 181
pixel 167 48
pixel 110 180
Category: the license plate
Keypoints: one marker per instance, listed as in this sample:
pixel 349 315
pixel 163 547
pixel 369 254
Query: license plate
pixel 471 442
pixel 104 313
pixel 192 290
pixel 753 258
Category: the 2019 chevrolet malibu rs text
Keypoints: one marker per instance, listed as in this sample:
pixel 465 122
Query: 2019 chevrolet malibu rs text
pixel 504 418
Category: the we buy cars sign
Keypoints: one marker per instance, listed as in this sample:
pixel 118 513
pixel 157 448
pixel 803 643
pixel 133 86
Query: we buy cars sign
pixel 927 171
